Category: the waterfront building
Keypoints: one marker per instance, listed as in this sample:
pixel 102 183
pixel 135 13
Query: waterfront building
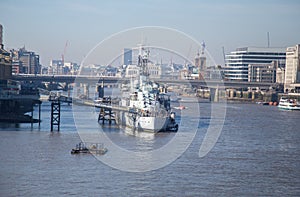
pixel 262 73
pixel 280 75
pixel 70 68
pixel 56 67
pixel 5 64
pixel 170 71
pixel 131 71
pixel 154 70
pixel 237 62
pixel 16 66
pixel 25 62
pixel 292 69
pixel 127 56
pixel 1 35
pixel 5 60
pixel 214 72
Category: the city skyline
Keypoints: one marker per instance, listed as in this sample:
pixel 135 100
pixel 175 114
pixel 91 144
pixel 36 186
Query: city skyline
pixel 45 27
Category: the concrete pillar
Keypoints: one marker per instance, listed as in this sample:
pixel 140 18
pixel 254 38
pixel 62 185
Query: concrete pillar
pixel 227 93
pixel 100 90
pixel 254 95
pixel 216 98
pixel 86 91
pixel 232 93
pixel 214 95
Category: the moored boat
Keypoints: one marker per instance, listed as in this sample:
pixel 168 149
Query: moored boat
pixel 289 104
pixel 148 108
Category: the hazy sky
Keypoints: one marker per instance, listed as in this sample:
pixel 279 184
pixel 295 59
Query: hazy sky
pixel 44 26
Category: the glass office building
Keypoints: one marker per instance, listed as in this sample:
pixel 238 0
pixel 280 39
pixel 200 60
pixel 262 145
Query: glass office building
pixel 237 62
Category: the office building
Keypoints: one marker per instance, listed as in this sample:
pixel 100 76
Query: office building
pixel 292 69
pixel 127 56
pixel 5 64
pixel 25 62
pixel 1 36
pixel 56 67
pixel 5 60
pixel 262 73
pixel 237 62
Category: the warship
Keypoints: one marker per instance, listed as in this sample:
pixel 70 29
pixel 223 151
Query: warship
pixel 148 106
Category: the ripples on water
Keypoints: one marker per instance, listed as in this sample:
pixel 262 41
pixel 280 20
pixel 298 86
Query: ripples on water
pixel 256 154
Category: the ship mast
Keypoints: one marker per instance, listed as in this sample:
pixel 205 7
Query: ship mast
pixel 143 60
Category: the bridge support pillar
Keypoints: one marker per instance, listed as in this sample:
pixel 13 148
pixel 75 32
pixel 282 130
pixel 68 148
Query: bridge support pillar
pixel 100 90
pixel 86 90
pixel 55 115
pixel 214 95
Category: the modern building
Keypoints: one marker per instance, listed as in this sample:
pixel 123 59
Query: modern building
pixel 1 35
pixel 262 73
pixel 214 72
pixel 237 62
pixel 127 56
pixel 16 66
pixel 25 62
pixel 5 60
pixel 5 64
pixel 70 68
pixel 280 75
pixel 56 67
pixel 292 69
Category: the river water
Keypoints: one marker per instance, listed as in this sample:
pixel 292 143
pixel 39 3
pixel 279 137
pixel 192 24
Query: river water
pixel 257 154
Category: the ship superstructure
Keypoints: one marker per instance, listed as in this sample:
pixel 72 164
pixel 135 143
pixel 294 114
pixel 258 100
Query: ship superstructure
pixel 149 107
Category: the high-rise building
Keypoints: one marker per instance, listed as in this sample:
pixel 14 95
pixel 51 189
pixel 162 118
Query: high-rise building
pixel 5 60
pixel 56 67
pixel 292 69
pixel 237 62
pixel 5 64
pixel 1 35
pixel 27 61
pixel 127 56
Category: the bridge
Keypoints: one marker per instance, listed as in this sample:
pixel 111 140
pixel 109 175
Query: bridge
pixel 107 79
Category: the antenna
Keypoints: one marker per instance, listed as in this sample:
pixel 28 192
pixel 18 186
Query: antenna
pixel 268 36
pixel 202 47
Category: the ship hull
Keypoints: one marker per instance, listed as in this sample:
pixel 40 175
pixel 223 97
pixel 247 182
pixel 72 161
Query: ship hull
pixel 288 104
pixel 145 123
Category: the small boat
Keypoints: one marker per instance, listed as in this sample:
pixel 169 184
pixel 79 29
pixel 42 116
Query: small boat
pixel 289 104
pixel 94 148
pixel 263 103
pixel 181 107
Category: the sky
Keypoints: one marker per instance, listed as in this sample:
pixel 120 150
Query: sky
pixel 45 26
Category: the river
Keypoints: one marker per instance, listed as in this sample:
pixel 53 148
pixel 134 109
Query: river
pixel 257 154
